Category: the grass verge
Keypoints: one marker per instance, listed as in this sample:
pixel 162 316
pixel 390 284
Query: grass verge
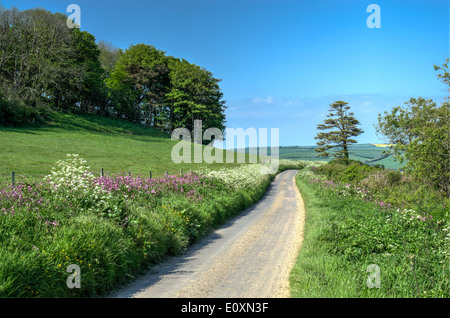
pixel 355 248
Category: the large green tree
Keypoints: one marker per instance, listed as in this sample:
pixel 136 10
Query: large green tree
pixel 139 81
pixel 89 83
pixel 420 131
pixel 43 63
pixel 36 46
pixel 194 94
pixel 343 126
pixel 109 55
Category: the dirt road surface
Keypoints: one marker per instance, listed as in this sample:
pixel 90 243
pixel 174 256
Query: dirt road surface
pixel 251 256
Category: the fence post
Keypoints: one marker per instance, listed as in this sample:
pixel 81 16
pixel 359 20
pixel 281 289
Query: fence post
pixel 167 173
pixel 13 178
pixel 101 173
pixel 150 174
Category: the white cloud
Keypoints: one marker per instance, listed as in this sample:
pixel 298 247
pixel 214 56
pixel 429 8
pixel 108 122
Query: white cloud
pixel 266 100
pixel 270 100
pixel 297 117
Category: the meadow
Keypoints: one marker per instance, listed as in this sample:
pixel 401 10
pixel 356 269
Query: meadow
pixel 115 145
pixel 371 154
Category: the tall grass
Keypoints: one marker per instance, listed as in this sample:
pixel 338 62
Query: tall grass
pixel 359 246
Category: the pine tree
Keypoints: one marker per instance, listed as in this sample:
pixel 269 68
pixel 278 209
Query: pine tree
pixel 344 124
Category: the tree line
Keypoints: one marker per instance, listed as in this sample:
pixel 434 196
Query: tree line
pixel 46 66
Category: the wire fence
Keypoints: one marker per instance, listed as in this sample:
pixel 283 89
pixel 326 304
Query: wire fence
pixel 13 177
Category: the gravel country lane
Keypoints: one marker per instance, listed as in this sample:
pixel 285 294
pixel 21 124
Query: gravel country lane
pixel 251 256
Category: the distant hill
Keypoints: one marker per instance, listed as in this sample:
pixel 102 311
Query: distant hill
pixel 367 153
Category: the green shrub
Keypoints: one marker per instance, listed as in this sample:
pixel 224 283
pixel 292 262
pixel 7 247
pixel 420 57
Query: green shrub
pixel 331 170
pixel 16 113
pixel 354 172
pixel 394 177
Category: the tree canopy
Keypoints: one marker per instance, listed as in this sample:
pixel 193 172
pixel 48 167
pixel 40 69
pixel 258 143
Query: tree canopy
pixel 420 131
pixel 46 66
pixel 345 125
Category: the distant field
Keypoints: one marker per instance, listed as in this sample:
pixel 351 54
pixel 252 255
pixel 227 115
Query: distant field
pixel 367 153
pixel 383 145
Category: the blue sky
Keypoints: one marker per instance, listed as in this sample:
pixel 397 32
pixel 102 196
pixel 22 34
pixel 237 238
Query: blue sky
pixel 283 62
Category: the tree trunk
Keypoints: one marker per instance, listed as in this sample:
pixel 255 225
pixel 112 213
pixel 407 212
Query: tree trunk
pixel 346 159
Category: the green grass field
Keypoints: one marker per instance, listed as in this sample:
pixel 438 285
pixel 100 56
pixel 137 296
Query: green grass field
pixel 114 145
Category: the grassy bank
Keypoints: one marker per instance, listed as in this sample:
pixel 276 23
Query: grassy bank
pixel 358 246
pixel 115 145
